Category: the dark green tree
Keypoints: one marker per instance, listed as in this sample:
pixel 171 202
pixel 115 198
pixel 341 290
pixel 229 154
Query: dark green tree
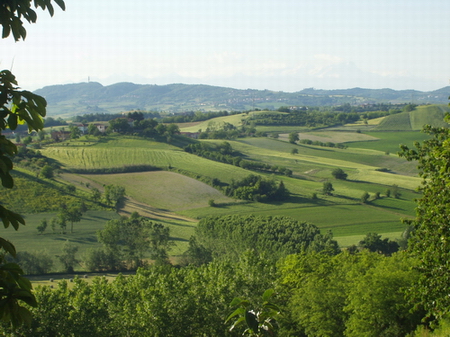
pixel 114 196
pixel 327 188
pixel 365 197
pixel 72 214
pixel 293 137
pixel 47 172
pixel 374 243
pixel 67 257
pixel 339 173
pixel 42 226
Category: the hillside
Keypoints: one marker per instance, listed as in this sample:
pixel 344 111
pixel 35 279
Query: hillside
pixel 92 97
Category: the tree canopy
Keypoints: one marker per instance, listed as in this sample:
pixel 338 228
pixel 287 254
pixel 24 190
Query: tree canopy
pixel 275 236
pixel 430 239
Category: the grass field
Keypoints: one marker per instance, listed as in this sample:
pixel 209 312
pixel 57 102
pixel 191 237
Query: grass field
pixel 414 120
pixel 170 193
pixel 164 190
pixel 117 152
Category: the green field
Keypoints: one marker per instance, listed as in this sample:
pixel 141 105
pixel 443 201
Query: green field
pixel 415 120
pixel 175 199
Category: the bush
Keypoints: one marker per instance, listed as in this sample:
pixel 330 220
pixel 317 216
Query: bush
pixel 365 197
pixel 327 188
pixel 338 173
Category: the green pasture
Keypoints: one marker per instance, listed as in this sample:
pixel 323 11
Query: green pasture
pixel 163 190
pixel 390 141
pixel 415 120
pixel 214 123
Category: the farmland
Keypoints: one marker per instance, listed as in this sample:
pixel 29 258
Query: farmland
pixel 179 191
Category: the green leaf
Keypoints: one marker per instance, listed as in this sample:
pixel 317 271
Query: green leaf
pixel 238 311
pixel 12 121
pixel 267 294
pixel 8 246
pixel 252 321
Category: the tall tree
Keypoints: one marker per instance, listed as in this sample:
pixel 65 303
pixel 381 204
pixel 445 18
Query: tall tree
pixel 430 239
pixel 293 137
pixel 16 107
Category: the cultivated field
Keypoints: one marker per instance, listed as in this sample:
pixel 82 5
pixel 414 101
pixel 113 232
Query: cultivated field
pixel 177 197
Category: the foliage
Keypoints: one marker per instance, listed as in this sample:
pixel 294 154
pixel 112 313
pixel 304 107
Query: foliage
pixel 37 263
pixel 42 226
pixel 365 197
pixel 293 137
pixel 374 243
pixel 114 196
pixel 47 172
pixel 276 236
pixel 129 239
pixel 67 257
pixel 327 188
pixel 430 240
pixel 349 294
pixel 311 118
pixel 339 173
pixel 259 322
pixel 257 188
pixel 158 301
pixel 16 107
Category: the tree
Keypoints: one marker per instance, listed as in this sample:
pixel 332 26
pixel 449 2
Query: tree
pixel 114 196
pixel 365 197
pixel 27 140
pixel 430 239
pixel 294 151
pixel 259 322
pixel 75 132
pixel 293 137
pixel 67 258
pixel 129 239
pixel 95 194
pixel 46 172
pixel 42 134
pixel 327 188
pixel 72 214
pixel 42 226
pixel 339 173
pixel 374 243
pixel 16 106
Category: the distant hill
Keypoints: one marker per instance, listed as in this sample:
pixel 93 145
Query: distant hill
pixel 92 97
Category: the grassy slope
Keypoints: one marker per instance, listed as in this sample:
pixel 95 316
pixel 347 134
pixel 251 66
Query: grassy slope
pixel 342 212
pixel 414 120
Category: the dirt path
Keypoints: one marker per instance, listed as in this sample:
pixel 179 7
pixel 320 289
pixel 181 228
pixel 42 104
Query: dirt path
pixel 148 211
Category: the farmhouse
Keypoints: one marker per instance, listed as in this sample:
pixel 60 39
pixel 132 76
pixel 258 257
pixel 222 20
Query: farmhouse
pixel 60 135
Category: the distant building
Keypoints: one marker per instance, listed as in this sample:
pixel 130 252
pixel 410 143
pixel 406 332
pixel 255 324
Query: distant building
pixel 59 136
pixel 101 127
pixel 193 135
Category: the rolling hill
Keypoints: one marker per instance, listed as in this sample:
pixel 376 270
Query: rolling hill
pixel 92 97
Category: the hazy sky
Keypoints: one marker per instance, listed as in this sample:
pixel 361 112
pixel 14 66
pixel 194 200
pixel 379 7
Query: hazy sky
pixel 283 45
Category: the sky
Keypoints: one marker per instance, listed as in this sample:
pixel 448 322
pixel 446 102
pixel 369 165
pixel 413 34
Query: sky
pixel 279 45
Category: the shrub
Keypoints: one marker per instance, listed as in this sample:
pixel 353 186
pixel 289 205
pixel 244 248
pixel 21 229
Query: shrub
pixel 339 173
